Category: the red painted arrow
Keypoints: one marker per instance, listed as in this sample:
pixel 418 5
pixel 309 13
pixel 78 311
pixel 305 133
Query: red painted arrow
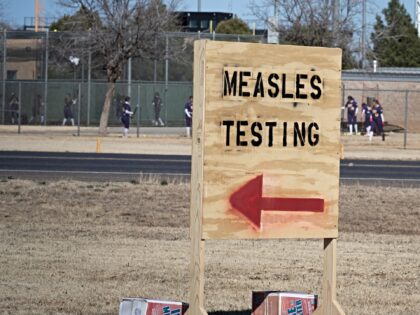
pixel 249 201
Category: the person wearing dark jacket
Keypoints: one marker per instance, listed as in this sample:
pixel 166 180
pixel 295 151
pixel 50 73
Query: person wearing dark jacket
pixel 157 106
pixel 14 108
pixel 352 110
pixel 37 109
pixel 68 113
pixel 126 114
pixel 188 111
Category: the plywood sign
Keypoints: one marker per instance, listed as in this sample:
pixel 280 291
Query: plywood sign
pixel 266 151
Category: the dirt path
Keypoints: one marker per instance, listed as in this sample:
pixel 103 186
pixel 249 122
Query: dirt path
pixel 173 141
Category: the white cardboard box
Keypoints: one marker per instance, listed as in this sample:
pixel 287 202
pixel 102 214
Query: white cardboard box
pixel 143 306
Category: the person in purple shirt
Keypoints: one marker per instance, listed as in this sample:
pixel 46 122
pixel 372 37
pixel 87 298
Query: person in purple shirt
pixel 378 118
pixel 352 110
pixel 364 109
pixel 126 114
pixel 369 123
pixel 188 110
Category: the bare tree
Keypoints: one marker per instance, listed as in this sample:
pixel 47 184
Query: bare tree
pixel 3 10
pixel 119 30
pixel 312 22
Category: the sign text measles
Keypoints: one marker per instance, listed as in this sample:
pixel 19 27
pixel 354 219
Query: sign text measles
pixel 281 90
pixel 282 86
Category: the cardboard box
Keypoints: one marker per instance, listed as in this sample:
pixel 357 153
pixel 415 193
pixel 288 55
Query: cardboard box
pixel 142 306
pixel 283 303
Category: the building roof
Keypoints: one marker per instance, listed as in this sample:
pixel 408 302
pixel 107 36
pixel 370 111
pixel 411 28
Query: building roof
pixel 383 74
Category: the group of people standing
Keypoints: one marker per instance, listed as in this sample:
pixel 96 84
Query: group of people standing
pixel 157 106
pixel 37 109
pixel 126 114
pixel 124 111
pixel 372 115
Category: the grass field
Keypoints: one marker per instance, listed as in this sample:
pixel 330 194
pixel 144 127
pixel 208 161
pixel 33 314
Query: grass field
pixel 77 248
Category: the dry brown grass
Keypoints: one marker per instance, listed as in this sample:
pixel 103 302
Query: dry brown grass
pixel 77 248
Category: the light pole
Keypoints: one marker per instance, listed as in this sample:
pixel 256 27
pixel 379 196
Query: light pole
pixel 75 62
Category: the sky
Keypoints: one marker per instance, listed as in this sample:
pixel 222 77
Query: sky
pixel 17 10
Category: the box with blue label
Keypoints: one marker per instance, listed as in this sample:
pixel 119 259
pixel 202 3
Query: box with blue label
pixel 143 306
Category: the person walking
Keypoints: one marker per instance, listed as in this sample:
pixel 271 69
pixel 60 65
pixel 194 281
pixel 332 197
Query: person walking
pixel 118 105
pixel 352 110
pixel 364 110
pixel 37 109
pixel 157 106
pixel 14 108
pixel 378 118
pixel 126 114
pixel 188 111
pixel 369 123
pixel 68 113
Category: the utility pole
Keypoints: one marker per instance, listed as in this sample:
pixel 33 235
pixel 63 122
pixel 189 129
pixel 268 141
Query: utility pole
pixel 36 15
pixel 418 17
pixel 363 43
pixel 273 34
pixel 198 5
pixel 39 19
pixel 335 4
pixel 3 97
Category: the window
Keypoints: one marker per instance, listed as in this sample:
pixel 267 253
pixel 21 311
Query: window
pixel 11 74
pixel 204 24
pixel 193 24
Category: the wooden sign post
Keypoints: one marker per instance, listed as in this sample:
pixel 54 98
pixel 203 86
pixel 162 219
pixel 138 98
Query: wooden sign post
pixel 266 150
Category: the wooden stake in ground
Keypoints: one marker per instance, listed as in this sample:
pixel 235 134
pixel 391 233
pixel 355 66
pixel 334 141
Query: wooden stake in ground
pixel 98 145
pixel 329 305
pixel 196 300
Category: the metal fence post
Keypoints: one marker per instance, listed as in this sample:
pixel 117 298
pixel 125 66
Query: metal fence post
pixel 79 98
pixel 406 119
pixel 129 77
pixel 89 87
pixel 138 110
pixel 166 79
pixel 343 101
pixel 20 106
pixel 4 76
pixel 46 78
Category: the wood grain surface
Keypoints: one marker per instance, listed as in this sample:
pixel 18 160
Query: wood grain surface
pixel 292 142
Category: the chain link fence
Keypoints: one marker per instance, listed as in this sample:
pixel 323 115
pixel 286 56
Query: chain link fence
pixel 38 74
pixel 27 105
pixel 401 110
pixel 36 78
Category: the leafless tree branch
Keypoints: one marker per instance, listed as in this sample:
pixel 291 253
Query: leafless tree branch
pixel 119 30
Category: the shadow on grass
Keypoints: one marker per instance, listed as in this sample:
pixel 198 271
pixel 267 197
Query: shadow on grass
pixel 244 312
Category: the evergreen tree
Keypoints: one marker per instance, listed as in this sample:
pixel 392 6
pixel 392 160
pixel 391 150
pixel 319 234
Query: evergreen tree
pixel 233 26
pixel 395 40
pixel 82 20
